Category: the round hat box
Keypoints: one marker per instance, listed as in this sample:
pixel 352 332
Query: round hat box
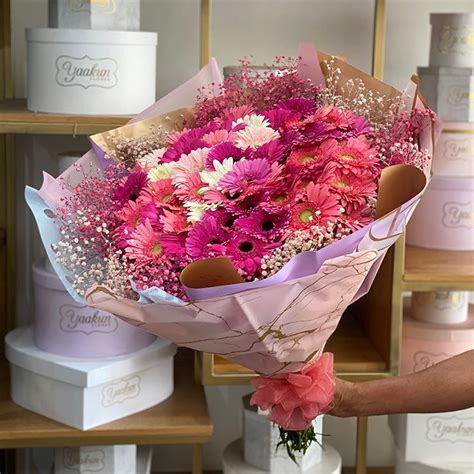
pixel 403 467
pixel 69 329
pixel 451 39
pixel 440 307
pixel 444 218
pixel 90 72
pixel 425 344
pixel 454 151
pixel 233 461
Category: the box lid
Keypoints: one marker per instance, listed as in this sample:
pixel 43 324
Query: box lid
pixel 59 35
pixel 445 71
pixel 452 19
pixel 451 183
pixel 21 351
pixel 458 127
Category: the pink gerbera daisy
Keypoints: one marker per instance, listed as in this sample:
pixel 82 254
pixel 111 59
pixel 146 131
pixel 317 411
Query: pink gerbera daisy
pixel 264 223
pixel 193 189
pixel 249 173
pixel 206 239
pixel 234 113
pixel 219 136
pixel 159 192
pixel 357 218
pixel 188 164
pixel 145 246
pixel 174 221
pixel 134 213
pixel 357 155
pixel 320 207
pixel 131 186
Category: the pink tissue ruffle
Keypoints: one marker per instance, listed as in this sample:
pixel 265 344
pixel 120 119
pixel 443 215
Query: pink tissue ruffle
pixel 296 399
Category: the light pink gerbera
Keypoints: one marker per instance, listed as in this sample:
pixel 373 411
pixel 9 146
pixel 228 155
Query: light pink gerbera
pixel 320 207
pixel 249 174
pixel 191 163
pixel 159 192
pixel 193 189
pixel 145 246
pixel 234 113
pixel 254 136
pixel 219 136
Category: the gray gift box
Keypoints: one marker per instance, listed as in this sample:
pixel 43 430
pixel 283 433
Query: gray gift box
pixel 449 91
pixel 94 14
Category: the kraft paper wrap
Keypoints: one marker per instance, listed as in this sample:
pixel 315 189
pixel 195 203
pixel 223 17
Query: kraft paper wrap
pixel 275 325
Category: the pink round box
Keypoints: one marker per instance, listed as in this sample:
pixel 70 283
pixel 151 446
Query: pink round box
pixel 424 344
pixel 444 218
pixel 69 329
pixel 454 151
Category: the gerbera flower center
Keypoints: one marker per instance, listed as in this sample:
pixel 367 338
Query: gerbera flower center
pixel 201 191
pixel 157 248
pixel 280 198
pixel 306 158
pixel 166 198
pixel 347 157
pixel 229 222
pixel 306 216
pixel 267 225
pixel 340 183
pixel 246 246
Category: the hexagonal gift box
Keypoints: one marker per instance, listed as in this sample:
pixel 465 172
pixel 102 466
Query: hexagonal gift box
pixel 94 14
pixel 114 459
pixel 260 437
pixel 449 91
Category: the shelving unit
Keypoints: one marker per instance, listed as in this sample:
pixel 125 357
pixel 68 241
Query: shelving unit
pixel 183 418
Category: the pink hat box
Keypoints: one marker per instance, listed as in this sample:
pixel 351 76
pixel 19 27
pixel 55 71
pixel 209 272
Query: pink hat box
pixel 444 218
pixel 454 151
pixel 425 344
pixel 70 329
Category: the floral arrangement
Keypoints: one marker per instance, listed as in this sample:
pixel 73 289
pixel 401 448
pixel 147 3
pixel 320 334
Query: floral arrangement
pixel 269 173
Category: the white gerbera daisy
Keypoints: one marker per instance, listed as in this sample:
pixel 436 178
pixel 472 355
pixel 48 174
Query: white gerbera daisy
pixel 213 177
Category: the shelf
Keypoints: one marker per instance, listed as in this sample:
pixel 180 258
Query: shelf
pixel 428 269
pixel 182 419
pixel 355 358
pixel 16 119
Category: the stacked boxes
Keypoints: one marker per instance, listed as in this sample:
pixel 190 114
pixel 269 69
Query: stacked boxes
pixel 442 323
pixel 92 60
pixel 257 451
pixel 444 218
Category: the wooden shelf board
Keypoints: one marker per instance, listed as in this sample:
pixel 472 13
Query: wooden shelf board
pixel 182 419
pixel 428 268
pixel 16 119
pixel 354 354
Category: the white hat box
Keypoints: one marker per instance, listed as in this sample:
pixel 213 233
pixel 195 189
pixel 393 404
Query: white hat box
pixel 94 14
pixel 454 150
pixel 233 462
pixel 260 438
pixel 444 218
pixel 90 72
pixel 451 39
pixel 84 393
pixel 115 459
pixel 440 307
pixel 449 91
pixel 434 437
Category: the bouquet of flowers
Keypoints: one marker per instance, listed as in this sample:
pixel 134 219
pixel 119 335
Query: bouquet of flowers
pixel 245 223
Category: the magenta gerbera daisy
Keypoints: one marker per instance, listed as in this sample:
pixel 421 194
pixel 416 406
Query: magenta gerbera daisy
pixel 206 239
pixel 248 173
pixel 225 150
pixel 246 253
pixel 131 187
pixel 298 104
pixel 267 224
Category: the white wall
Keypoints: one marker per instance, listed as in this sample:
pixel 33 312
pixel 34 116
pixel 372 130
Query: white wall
pixel 262 28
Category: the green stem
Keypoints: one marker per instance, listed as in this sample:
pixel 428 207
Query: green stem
pixel 297 441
